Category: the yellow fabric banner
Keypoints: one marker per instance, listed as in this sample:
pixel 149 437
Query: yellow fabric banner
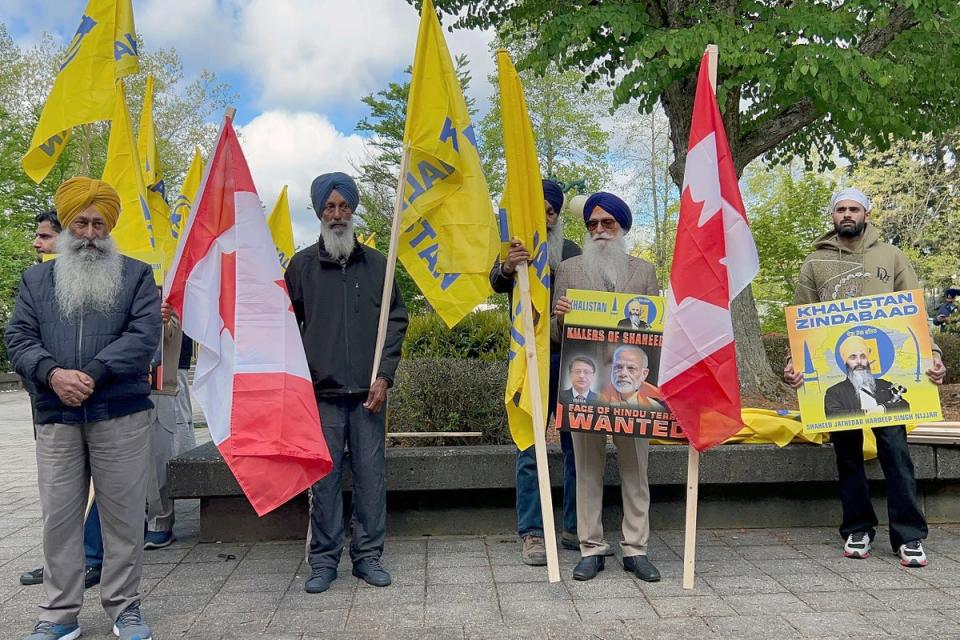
pixel 449 237
pixel 166 244
pixel 188 191
pixel 281 228
pixel 523 210
pixel 134 231
pixel 370 240
pixel 103 50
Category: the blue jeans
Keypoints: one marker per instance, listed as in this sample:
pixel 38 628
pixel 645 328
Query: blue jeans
pixel 92 539
pixel 346 422
pixel 529 515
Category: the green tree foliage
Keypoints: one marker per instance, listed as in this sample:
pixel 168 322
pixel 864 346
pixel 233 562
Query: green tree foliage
pixel 378 172
pixel 787 211
pixel 571 143
pixel 915 188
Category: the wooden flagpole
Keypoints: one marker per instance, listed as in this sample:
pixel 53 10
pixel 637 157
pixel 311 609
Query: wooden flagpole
pixel 391 267
pixel 539 423
pixel 693 456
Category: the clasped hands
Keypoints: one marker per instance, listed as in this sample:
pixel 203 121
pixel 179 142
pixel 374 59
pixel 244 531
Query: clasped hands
pixel 72 386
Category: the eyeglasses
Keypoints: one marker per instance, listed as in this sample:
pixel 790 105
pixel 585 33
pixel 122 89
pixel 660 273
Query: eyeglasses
pixel 343 208
pixel 608 223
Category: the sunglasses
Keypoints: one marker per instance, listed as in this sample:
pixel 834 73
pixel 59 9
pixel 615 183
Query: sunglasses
pixel 608 223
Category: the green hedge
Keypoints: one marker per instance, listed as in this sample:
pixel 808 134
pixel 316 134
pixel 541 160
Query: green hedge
pixel 777 347
pixel 450 394
pixel 482 335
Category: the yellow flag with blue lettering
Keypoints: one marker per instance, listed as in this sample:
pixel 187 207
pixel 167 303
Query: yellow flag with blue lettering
pixel 523 211
pixel 103 50
pixel 134 231
pixel 153 179
pixel 281 228
pixel 449 236
pixel 188 191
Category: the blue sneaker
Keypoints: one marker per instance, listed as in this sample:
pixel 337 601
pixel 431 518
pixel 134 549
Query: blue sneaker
pixel 51 631
pixel 320 579
pixel 130 624
pixel 157 539
pixel 371 571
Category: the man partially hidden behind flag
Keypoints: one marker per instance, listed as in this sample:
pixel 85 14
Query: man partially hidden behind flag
pixel 281 228
pixel 102 51
pixel 449 237
pixel 714 260
pixel 252 377
pixel 83 331
pixel 336 286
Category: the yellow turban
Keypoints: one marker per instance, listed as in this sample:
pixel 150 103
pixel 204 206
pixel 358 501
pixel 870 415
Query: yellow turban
pixel 854 344
pixel 76 194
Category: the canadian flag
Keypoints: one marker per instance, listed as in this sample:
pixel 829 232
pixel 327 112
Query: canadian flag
pixel 252 378
pixel 714 259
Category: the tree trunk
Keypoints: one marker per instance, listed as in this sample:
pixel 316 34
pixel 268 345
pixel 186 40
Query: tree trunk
pixel 756 376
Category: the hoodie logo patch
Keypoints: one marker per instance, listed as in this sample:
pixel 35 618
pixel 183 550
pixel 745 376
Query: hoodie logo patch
pixel 883 275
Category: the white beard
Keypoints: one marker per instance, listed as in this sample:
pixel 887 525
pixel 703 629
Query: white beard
pixel 555 244
pixel 863 380
pixel 87 275
pixel 338 243
pixel 606 255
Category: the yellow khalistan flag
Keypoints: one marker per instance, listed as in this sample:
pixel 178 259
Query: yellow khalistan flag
pixel 449 238
pixel 281 228
pixel 103 50
pixel 153 178
pixel 184 202
pixel 370 240
pixel 134 231
pixel 522 209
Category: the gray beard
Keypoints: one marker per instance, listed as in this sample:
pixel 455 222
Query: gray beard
pixel 863 380
pixel 606 257
pixel 555 244
pixel 339 244
pixel 87 275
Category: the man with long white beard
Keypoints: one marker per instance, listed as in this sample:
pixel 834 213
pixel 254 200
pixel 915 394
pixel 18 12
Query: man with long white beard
pixel 83 331
pixel 336 287
pixel 529 516
pixel 606 266
pixel 861 393
pixel 851 261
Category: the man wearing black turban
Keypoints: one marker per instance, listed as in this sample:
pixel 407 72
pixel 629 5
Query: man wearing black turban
pixel 605 265
pixel 336 287
pixel 529 516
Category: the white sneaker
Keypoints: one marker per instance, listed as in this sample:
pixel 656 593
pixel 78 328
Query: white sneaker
pixel 857 546
pixel 912 555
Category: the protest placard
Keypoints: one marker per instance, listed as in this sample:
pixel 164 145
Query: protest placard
pixel 609 362
pixel 863 362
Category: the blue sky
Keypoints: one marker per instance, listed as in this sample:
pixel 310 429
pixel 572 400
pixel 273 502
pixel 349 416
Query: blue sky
pixel 299 67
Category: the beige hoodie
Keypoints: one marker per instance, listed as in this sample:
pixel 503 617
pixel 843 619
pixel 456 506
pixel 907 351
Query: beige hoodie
pixel 873 267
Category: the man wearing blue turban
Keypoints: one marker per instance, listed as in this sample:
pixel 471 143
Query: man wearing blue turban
pixel 335 286
pixel 529 516
pixel 606 265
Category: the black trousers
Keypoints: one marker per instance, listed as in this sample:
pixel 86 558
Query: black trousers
pixel 903 511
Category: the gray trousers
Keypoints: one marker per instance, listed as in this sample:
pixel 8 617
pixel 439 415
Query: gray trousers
pixel 184 438
pixel 116 454
pixel 590 455
pixel 346 422
pixel 159 503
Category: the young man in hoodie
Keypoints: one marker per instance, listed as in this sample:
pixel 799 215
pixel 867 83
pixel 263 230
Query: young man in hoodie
pixel 852 261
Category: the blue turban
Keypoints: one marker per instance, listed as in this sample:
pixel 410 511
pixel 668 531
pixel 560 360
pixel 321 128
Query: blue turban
pixel 553 194
pixel 324 185
pixel 612 205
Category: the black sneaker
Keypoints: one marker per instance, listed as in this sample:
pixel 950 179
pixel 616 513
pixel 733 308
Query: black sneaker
pixel 857 546
pixel 91 576
pixel 32 577
pixel 912 555
pixel 372 572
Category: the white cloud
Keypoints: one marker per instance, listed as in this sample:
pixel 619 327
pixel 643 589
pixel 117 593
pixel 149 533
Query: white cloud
pixel 293 148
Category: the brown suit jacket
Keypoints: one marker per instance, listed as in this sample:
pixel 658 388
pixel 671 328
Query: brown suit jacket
pixel 641 279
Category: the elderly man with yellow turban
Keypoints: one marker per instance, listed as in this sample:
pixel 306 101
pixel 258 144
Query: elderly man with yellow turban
pixel 83 331
pixel 850 261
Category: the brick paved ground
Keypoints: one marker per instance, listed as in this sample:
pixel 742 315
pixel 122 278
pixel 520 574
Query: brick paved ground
pixel 763 583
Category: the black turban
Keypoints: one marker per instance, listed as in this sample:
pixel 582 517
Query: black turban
pixel 325 184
